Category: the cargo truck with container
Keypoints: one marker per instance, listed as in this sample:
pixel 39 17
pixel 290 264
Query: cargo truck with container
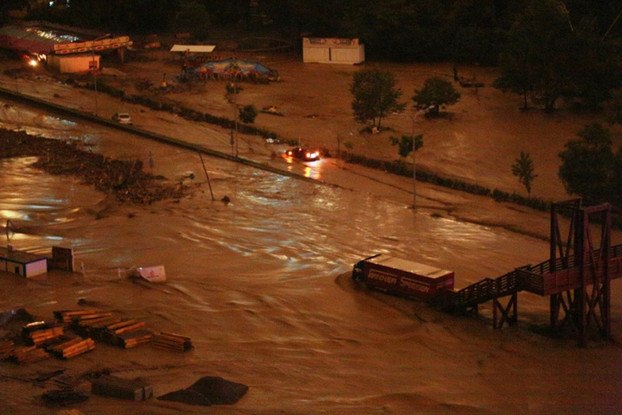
pixel 403 277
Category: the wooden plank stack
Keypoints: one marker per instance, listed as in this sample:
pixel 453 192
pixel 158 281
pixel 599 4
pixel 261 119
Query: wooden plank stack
pixel 172 341
pixel 71 348
pixel 6 349
pixel 69 316
pixel 127 333
pixel 116 387
pixel 134 338
pixel 29 354
pixel 40 332
pixel 44 339
pixel 105 326
pixel 95 327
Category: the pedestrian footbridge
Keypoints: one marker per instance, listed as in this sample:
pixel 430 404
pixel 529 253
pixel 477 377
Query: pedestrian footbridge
pixel 577 276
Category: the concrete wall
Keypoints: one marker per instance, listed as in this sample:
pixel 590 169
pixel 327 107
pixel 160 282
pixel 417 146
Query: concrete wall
pixel 73 63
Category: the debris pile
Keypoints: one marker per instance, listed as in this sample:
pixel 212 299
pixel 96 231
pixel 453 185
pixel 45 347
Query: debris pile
pixel 208 391
pixel 136 390
pixel 64 396
pixel 126 180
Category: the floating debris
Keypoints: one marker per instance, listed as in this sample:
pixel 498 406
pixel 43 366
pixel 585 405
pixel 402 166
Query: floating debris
pixel 155 273
pixel 64 397
pixel 137 390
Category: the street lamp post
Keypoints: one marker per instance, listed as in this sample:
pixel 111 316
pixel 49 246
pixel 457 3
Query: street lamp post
pixel 94 68
pixel 232 98
pixel 94 65
pixel 235 122
pixel 414 151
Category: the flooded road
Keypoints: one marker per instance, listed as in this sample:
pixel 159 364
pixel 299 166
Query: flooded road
pixel 261 286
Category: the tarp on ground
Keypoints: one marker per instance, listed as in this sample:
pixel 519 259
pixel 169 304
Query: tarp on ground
pixel 193 48
pixel 233 67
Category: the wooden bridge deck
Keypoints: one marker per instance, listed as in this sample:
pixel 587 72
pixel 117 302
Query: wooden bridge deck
pixel 541 279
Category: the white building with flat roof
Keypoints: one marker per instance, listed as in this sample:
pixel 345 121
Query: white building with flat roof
pixel 332 50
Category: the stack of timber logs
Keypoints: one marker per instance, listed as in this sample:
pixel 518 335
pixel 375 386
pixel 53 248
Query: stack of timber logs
pixel 171 341
pixel 128 333
pixel 6 349
pixel 106 327
pixel 40 340
pixel 69 316
pixel 95 327
pixel 28 354
pixel 71 348
pixel 40 332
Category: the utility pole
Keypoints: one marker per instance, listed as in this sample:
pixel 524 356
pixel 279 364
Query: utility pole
pixel 414 151
pixel 94 66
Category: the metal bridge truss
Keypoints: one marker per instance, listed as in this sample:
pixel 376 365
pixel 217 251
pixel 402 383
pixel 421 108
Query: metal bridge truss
pixel 577 276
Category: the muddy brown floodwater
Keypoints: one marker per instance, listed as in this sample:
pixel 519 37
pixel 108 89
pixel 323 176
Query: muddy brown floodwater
pixel 261 286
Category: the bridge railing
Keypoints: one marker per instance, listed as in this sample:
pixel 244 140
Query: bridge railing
pixel 545 266
pixel 486 289
pixel 528 278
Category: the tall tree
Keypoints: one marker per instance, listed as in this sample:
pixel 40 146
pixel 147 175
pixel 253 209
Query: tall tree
pixel 589 166
pixel 436 91
pixel 375 96
pixel 613 110
pixel 524 170
pixel 478 36
pixel 536 57
pixel 405 144
pixel 193 17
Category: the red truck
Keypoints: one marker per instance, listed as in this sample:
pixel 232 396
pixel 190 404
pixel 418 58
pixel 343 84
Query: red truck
pixel 402 276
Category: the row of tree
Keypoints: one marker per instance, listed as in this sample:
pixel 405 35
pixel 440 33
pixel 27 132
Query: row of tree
pixel 547 57
pixel 376 96
pixel 422 30
pixel 589 166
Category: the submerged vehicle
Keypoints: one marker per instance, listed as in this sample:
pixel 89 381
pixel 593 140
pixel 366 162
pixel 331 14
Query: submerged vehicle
pixel 122 118
pixel 404 277
pixel 302 153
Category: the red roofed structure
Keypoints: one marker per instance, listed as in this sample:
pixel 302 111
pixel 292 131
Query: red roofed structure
pixel 52 45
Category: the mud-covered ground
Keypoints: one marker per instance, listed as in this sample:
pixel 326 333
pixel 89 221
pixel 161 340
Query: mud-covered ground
pixel 261 285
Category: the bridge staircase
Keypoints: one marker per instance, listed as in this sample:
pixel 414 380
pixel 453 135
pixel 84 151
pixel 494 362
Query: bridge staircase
pixel 576 277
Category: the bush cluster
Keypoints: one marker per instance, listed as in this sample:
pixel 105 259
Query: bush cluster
pixel 402 168
pixel 186 113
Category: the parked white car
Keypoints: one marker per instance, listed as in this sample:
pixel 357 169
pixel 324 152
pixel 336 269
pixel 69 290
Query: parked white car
pixel 122 118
